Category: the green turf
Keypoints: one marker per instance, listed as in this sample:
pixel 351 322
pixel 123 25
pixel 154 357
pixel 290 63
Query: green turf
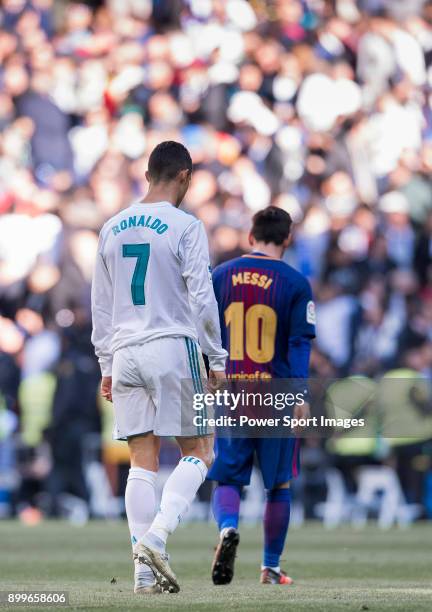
pixel 334 570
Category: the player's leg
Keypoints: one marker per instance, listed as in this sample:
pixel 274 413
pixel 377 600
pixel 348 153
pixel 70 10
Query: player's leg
pixel 178 493
pixel 276 523
pixel 140 496
pixel 181 487
pixel 134 420
pixel 226 506
pixel 177 360
pixel 140 500
pixel 231 469
pixel 278 459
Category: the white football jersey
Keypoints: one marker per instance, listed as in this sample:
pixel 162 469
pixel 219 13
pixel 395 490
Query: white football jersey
pixel 153 279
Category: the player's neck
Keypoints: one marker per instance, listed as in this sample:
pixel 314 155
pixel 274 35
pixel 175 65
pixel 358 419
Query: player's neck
pixel 161 192
pixel 271 250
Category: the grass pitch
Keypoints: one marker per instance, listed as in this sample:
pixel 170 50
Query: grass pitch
pixel 334 570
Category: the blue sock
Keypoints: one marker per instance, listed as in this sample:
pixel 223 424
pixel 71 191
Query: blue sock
pixel 276 521
pixel 226 505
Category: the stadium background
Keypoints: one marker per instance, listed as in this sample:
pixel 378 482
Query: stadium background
pixel 321 107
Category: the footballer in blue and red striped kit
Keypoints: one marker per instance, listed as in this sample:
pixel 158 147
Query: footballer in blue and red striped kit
pixel 267 320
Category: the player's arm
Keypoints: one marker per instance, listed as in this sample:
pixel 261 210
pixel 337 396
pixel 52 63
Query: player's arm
pixel 301 332
pixel 102 300
pixel 194 255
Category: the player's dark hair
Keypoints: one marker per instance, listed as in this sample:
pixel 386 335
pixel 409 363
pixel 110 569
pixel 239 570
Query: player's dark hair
pixel 271 225
pixel 167 160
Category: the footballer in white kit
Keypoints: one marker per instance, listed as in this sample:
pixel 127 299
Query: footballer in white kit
pixel 152 300
pixel 154 310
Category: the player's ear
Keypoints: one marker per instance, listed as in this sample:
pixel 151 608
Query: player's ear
pixel 147 175
pixel 251 239
pixel 184 176
pixel 286 242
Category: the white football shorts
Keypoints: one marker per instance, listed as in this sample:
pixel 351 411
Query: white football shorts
pixel 149 391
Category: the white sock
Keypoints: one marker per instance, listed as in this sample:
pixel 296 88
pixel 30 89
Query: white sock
pixel 178 493
pixel 140 501
pixel 276 569
pixel 224 531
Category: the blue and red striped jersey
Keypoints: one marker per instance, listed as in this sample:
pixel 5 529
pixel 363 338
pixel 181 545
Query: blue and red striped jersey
pixel 263 303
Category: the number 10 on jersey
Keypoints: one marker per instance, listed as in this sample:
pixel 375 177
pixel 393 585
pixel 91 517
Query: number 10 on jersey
pixel 259 322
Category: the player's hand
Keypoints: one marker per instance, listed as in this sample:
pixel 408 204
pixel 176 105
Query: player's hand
pixel 216 379
pixel 106 388
pixel 301 412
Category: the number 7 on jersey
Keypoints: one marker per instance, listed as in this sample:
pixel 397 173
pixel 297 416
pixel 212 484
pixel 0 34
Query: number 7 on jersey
pixel 142 253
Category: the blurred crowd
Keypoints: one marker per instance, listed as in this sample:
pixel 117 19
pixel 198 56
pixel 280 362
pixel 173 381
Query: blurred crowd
pixel 322 107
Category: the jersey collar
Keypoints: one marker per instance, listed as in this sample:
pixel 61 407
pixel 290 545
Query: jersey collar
pixel 258 255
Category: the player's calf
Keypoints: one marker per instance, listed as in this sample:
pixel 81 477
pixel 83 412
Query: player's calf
pixel 276 522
